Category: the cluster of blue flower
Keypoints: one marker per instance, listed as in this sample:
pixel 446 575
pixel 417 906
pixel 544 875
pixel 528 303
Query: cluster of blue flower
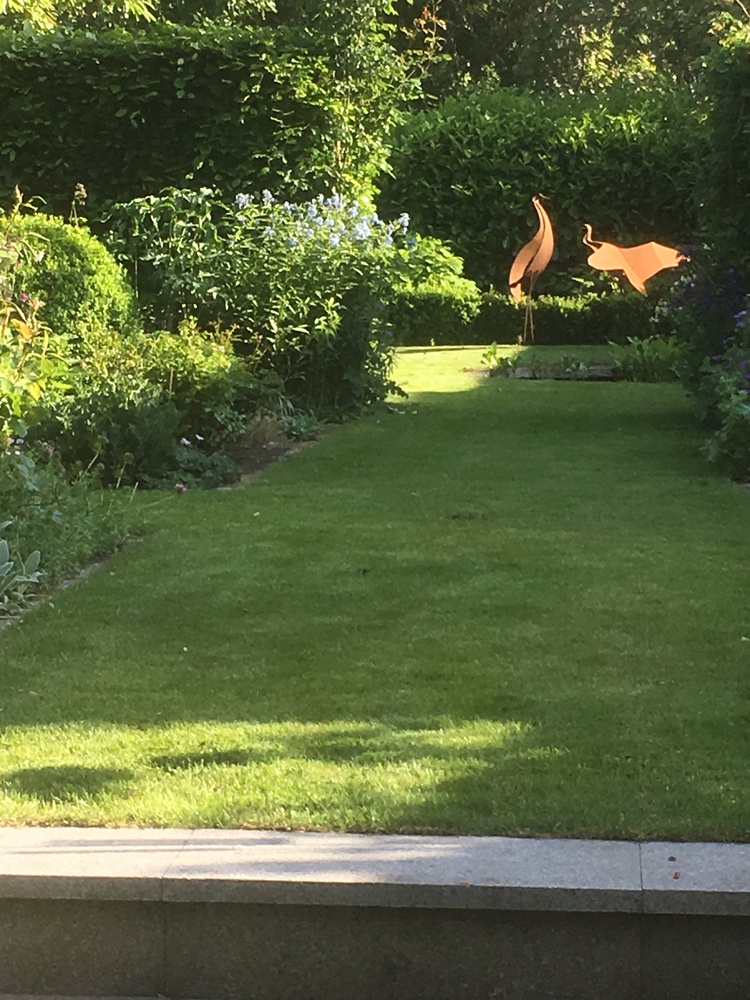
pixel 344 221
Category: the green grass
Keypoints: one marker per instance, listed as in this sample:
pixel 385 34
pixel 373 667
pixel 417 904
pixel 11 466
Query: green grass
pixel 502 607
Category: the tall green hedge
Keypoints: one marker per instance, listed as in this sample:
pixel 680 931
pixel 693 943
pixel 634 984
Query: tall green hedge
pixel 726 175
pixel 236 109
pixel 466 172
pixel 712 310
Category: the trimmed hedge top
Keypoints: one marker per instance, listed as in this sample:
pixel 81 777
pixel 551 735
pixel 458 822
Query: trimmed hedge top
pixel 236 109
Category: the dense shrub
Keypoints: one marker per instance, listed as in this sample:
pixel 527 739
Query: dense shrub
pixel 582 319
pixel 68 519
pixel 710 302
pixel 433 302
pixel 95 392
pixel 33 371
pixel 466 171
pixel 436 312
pixel 305 288
pixel 84 290
pixel 299 110
pixel 144 406
pixel 454 312
pixel 725 178
pixel 43 507
pixel 727 379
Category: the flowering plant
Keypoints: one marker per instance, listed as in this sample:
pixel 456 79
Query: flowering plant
pixel 303 286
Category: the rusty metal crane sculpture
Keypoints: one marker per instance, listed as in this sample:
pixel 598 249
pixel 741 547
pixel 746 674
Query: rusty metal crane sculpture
pixel 530 261
pixel 638 264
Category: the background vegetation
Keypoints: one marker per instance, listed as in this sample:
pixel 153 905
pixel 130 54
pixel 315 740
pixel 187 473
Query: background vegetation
pixel 465 169
pixel 278 191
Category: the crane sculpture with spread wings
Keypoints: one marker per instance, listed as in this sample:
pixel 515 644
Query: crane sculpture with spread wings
pixel 638 264
pixel 530 261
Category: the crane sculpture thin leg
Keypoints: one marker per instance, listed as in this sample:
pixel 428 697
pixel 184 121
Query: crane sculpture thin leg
pixel 530 261
pixel 528 322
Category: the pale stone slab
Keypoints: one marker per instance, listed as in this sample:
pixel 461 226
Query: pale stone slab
pixel 390 870
pixel 696 878
pixel 86 862
pixel 374 870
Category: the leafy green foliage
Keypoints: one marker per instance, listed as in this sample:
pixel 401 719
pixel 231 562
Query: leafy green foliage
pixel 466 172
pixel 46 14
pixel 135 399
pixel 292 109
pixel 439 311
pixel 651 359
pixel 709 308
pixel 17 576
pixel 67 516
pixel 725 386
pixel 582 319
pixel 452 312
pixel 571 45
pixel 84 291
pixel 304 287
pixel 433 303
pixel 32 370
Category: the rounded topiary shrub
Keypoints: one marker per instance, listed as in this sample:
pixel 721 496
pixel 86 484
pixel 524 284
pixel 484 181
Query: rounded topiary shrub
pixel 84 290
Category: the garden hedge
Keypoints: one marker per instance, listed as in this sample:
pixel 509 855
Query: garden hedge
pixel 726 174
pixel 236 109
pixel 711 311
pixel 430 316
pixel 466 171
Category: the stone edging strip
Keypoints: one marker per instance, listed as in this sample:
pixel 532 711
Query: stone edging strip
pixel 255 866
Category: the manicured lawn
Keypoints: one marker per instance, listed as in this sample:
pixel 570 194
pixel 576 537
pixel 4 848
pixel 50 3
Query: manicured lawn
pixel 503 607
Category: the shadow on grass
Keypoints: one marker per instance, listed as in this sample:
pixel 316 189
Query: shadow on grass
pixel 356 744
pixel 235 757
pixel 67 783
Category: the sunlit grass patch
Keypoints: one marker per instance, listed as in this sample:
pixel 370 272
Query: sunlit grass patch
pixel 347 775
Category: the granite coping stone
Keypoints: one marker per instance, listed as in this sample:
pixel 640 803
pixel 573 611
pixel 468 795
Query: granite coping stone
pixel 255 866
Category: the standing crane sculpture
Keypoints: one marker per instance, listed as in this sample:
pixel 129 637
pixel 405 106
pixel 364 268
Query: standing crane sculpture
pixel 530 261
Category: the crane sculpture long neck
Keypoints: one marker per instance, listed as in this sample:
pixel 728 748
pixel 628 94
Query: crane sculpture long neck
pixel 588 238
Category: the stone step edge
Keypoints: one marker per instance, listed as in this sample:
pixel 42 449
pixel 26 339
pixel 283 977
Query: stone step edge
pixel 329 869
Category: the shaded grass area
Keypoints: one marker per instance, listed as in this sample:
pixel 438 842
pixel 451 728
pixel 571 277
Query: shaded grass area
pixel 501 607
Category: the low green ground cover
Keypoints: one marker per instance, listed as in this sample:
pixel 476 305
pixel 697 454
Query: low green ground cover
pixel 498 607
